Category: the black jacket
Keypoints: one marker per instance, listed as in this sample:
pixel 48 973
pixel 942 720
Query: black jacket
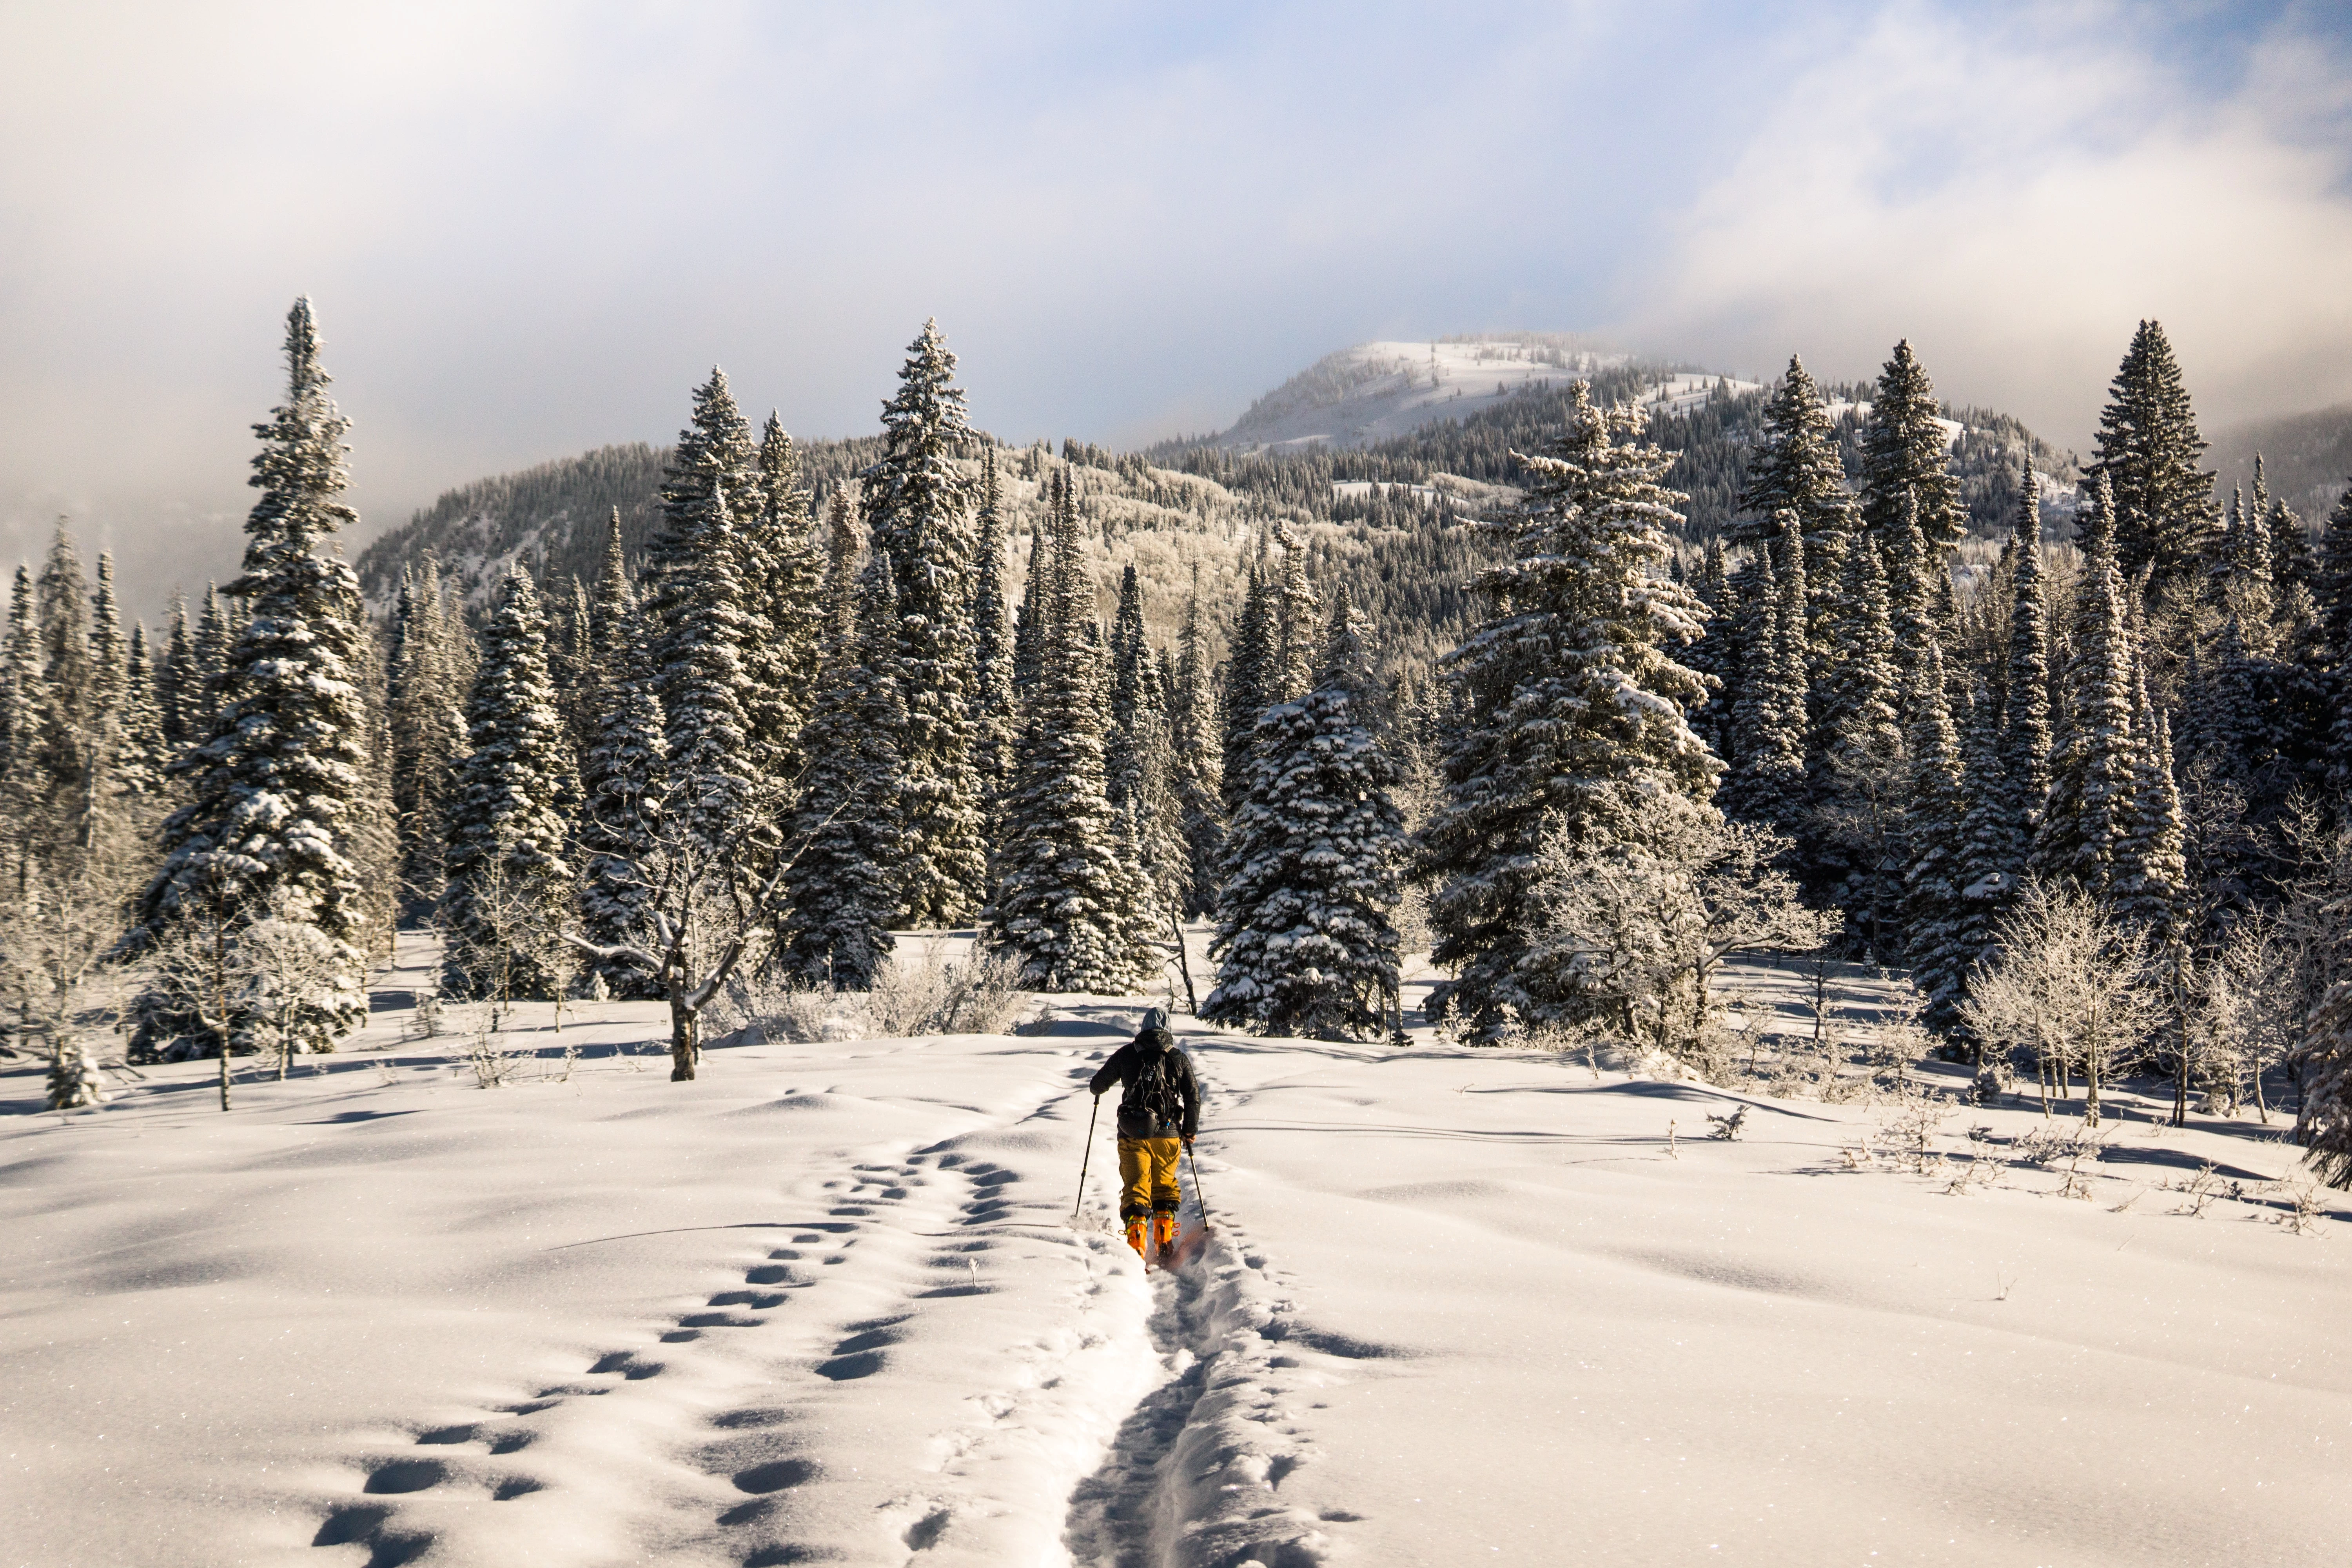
pixel 1125 1067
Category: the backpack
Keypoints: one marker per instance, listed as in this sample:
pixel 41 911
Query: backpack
pixel 1154 1092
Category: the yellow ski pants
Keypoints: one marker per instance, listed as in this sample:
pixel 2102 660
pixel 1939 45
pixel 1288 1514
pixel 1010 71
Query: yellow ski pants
pixel 1147 1175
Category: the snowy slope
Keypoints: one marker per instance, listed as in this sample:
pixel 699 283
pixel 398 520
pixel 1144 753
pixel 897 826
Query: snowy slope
pixel 1377 390
pixel 826 1304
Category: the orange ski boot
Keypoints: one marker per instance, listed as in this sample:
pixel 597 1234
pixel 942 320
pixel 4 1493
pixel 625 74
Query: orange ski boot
pixel 1135 1237
pixel 1163 1239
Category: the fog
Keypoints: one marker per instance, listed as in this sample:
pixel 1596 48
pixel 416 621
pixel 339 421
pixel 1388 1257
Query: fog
pixel 531 230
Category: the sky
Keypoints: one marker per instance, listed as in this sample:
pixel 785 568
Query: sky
pixel 531 228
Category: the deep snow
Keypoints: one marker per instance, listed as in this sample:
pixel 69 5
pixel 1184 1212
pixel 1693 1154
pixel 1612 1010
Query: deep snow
pixel 826 1303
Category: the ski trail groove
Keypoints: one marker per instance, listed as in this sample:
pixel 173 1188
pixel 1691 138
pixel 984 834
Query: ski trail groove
pixel 1194 1477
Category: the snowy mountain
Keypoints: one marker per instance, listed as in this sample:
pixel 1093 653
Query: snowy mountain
pixel 1374 392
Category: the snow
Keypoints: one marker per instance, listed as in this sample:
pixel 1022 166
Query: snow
pixel 1374 391
pixel 826 1301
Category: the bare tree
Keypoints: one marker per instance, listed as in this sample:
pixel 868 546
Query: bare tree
pixel 2068 982
pixel 1641 930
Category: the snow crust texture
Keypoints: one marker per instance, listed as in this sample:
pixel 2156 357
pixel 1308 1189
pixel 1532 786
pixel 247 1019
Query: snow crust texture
pixel 828 1303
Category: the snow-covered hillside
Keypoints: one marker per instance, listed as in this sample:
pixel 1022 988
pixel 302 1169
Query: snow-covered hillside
pixel 1377 390
pixel 827 1303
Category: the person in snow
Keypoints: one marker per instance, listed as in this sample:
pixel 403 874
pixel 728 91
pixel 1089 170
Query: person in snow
pixel 1160 1109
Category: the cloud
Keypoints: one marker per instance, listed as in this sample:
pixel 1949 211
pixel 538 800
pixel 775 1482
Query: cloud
pixel 2015 197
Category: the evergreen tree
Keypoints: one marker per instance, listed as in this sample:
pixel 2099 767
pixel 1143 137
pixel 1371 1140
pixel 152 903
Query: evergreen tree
pixel 1304 940
pixel 1297 615
pixel 21 700
pixel 270 789
pixel 1131 702
pixel 917 504
pixel 215 635
pixel 782 570
pixel 623 779
pixel 696 603
pixel 1196 754
pixel 2147 451
pixel 108 659
pixel 72 685
pixel 2093 768
pixel 1907 473
pixel 2025 711
pixel 2151 868
pixel 1795 467
pixel 1768 784
pixel 2331 581
pixel 996 720
pixel 1574 712
pixel 143 756
pixel 426 684
pixel 508 814
pixel 1250 674
pixel 1864 761
pixel 1935 916
pixel 1065 895
pixel 178 687
pixel 840 894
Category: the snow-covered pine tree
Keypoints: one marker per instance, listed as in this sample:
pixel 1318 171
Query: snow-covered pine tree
pixel 2025 739
pixel 68 743
pixel 781 571
pixel 1064 891
pixel 1129 701
pixel 995 717
pixel 1795 467
pixel 1196 751
pixel 1864 761
pixel 271 786
pixel 2151 866
pixel 108 661
pixel 1935 915
pixel 427 724
pixel 20 705
pixel 2094 764
pixel 1987 864
pixel 1249 677
pixel 1573 711
pixel 1768 786
pixel 215 635
pixel 623 779
pixel 2147 449
pixel 918 505
pixel 1297 613
pixel 1906 470
pixel 1304 942
pixel 840 893
pixel 178 688
pixel 695 600
pixel 510 812
pixel 141 754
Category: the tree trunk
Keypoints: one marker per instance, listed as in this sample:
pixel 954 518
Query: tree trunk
pixel 224 1073
pixel 684 1038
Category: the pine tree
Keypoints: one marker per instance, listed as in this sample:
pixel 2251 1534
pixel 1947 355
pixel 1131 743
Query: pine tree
pixel 916 505
pixel 1989 857
pixel 1795 467
pixel 1249 679
pixel 1905 466
pixel 1296 612
pixel 996 719
pixel 1770 783
pixel 1935 917
pixel 2025 711
pixel 2331 581
pixel 72 684
pixel 1574 712
pixel 1130 699
pixel 509 813
pixel 2147 451
pixel 1196 756
pixel 21 696
pixel 2151 869
pixel 272 786
pixel 696 603
pixel 178 687
pixel 107 659
pixel 1304 940
pixel 1864 760
pixel 781 571
pixel 2093 768
pixel 839 887
pixel 1065 889
pixel 215 636
pixel 623 781
pixel 426 683
pixel 142 755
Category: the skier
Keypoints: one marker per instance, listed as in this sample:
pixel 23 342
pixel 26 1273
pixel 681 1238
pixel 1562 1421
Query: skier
pixel 1161 1106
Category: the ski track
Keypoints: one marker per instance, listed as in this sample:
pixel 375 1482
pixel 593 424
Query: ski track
pixel 1128 1422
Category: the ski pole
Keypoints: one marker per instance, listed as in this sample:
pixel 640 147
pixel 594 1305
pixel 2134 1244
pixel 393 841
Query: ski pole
pixel 1087 1159
pixel 1199 1196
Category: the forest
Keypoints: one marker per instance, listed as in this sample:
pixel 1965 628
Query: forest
pixel 1577 698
